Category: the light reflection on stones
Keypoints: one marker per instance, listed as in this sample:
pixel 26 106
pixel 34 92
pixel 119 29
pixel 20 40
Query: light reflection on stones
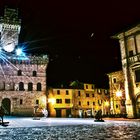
pixel 105 131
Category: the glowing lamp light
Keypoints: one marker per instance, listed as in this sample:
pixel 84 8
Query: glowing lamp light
pixel 119 93
pixel 19 51
pixel 9 47
pixel 106 103
pixel 51 100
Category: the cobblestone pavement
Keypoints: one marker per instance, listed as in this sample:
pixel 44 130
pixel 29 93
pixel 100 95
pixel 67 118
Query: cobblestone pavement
pixel 70 129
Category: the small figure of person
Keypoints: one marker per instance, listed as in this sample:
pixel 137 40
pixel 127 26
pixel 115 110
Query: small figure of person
pixel 2 114
pixel 45 112
pixel 35 111
pixel 80 113
pixel 98 115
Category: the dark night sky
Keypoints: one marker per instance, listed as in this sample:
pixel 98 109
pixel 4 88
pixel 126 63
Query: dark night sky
pixel 62 29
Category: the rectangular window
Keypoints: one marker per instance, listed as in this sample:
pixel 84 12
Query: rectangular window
pixel 92 94
pixel 67 101
pixel 58 92
pixel 21 101
pixel 137 75
pixel 131 53
pixel 79 102
pixel 93 103
pixel 87 94
pixel 79 94
pixel 37 102
pixel 67 92
pixel 87 102
pixel 86 86
pixel 92 87
pixel 58 101
pixel 105 91
pixel 137 85
pixel 99 102
pixel 117 106
pixel 114 80
pixel 99 90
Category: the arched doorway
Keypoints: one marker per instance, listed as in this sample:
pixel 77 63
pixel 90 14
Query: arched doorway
pixel 138 106
pixel 6 103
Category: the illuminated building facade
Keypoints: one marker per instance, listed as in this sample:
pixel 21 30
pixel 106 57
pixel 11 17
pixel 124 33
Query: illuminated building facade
pixel 130 54
pixel 60 102
pixel 73 102
pixel 117 93
pixel 22 77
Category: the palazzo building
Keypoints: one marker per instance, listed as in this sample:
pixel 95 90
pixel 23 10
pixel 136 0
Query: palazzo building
pixel 66 102
pixel 22 76
pixel 130 54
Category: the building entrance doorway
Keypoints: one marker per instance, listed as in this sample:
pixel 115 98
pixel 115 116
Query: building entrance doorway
pixel 58 112
pixel 6 104
pixel 68 112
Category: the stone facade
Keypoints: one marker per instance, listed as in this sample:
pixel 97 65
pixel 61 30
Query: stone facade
pixel 72 102
pixel 22 78
pixel 130 54
pixel 117 92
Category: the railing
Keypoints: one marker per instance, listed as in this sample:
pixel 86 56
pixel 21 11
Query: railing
pixel 134 59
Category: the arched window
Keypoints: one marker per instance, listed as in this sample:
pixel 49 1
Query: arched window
pixel 30 86
pixel 34 73
pixel 38 86
pixel 19 73
pixel 21 86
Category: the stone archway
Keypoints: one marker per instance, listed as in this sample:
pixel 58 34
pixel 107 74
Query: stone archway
pixel 138 105
pixel 6 103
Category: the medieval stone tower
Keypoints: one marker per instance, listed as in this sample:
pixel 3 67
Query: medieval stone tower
pixel 22 76
pixel 130 55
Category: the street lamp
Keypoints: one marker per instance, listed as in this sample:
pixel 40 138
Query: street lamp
pixel 119 93
pixel 51 100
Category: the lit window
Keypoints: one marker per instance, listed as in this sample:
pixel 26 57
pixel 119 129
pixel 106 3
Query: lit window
pixel 99 102
pixel 105 91
pixel 137 85
pixel 99 90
